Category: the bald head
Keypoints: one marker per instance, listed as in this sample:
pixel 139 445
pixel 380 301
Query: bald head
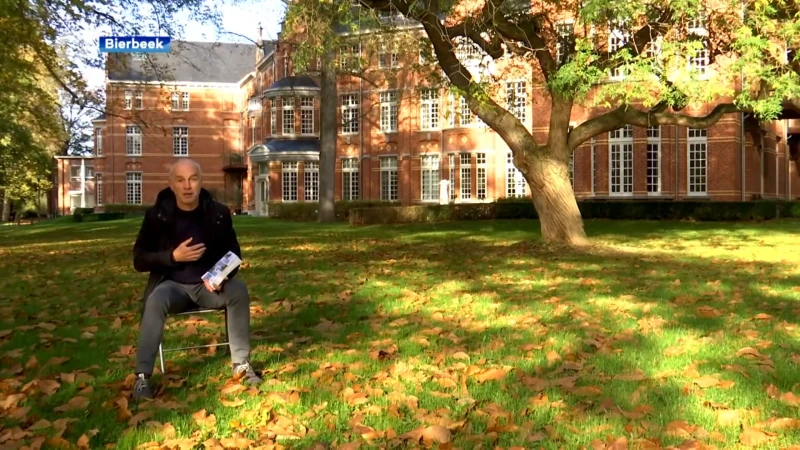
pixel 185 166
pixel 185 180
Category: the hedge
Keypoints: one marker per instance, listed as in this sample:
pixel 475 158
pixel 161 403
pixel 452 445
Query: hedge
pixel 308 211
pixel 98 217
pixel 125 208
pixel 523 209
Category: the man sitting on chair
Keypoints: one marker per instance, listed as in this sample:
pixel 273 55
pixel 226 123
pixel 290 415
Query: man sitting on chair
pixel 182 236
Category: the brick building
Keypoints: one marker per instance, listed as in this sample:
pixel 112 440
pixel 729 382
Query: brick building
pixel 252 123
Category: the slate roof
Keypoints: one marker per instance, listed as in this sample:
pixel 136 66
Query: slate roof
pixel 293 145
pixel 199 62
pixel 298 81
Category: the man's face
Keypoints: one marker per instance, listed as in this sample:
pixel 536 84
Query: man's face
pixel 186 183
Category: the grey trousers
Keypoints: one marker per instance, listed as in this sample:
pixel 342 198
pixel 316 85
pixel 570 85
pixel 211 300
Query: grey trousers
pixel 170 297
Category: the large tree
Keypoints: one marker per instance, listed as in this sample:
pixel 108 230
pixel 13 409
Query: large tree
pixel 629 63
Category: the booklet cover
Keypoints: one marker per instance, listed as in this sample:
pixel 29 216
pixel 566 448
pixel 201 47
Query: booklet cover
pixel 222 269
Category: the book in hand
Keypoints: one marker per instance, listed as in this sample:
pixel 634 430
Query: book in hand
pixel 222 269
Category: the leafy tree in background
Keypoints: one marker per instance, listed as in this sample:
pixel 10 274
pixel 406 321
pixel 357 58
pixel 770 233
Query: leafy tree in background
pixel 656 42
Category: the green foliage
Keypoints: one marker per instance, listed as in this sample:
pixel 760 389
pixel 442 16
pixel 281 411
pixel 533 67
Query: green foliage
pixel 308 211
pixel 625 210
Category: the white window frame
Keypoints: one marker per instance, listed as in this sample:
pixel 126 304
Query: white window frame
pixel 387 56
pixel 273 117
pixel 465 174
pixel 699 60
pixel 389 111
pixel 133 188
pixel 350 179
pixel 516 185
pixel 289 181
pixel 133 140
pixel 697 137
pixel 517 99
pixel 351 110
pixel 311 181
pixel 565 34
pixel 128 100
pixel 180 101
pixel 390 187
pixel 618 37
pixel 653 169
pixel 429 109
pixel 481 176
pixel 180 141
pixel 138 100
pixel 429 165
pixel 307 115
pixel 451 162
pixel 98 145
pixel 99 188
pixel 622 139
pixel 350 52
pixel 287 116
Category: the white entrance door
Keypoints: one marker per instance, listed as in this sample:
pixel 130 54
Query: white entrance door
pixel 262 196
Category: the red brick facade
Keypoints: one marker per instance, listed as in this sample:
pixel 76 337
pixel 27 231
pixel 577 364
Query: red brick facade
pixel 392 150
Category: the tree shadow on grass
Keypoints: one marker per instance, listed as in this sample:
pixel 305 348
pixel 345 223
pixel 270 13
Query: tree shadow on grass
pixel 385 327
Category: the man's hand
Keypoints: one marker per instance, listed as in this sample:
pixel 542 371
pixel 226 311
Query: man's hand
pixel 211 287
pixel 186 253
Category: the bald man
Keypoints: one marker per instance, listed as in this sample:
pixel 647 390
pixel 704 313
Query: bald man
pixel 182 236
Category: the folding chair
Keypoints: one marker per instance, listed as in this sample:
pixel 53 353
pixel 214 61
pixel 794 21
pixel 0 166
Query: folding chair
pixel 162 350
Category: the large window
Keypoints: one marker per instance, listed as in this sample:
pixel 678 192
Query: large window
pixel 133 141
pixel 516 186
pixel 311 181
pixel 289 181
pixel 620 161
pixel 389 111
pixel 180 101
pixel 480 168
pixel 389 189
pixel 451 163
pixel 429 109
pixel 180 141
pixel 618 37
pixel 99 178
pixel 98 146
pixel 516 99
pixel 430 177
pixel 288 115
pixel 466 176
pixel 654 160
pixel 133 188
pixel 350 179
pixel 698 161
pixel 307 115
pixel 273 117
pixel 350 113
pixel 698 38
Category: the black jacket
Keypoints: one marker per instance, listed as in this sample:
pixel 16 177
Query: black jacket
pixel 152 251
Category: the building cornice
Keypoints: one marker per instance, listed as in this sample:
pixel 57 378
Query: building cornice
pixel 175 84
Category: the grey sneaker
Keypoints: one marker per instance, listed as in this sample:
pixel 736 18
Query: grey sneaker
pixel 141 389
pixel 244 371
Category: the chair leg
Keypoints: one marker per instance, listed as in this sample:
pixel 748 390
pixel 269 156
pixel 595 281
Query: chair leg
pixel 161 358
pixel 227 337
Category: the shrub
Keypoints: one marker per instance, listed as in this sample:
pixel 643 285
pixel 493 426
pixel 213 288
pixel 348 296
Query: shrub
pixel 620 210
pixel 125 208
pixel 99 217
pixel 308 211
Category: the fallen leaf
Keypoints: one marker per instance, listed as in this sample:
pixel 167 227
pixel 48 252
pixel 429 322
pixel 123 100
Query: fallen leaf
pixel 73 404
pixel 49 387
pixel 753 436
pixel 491 375
pixel 83 441
pixel 41 424
pixel 460 355
pixel 134 421
pixel 232 403
pixel 706 381
pixel 203 419
pixel 436 433
pixel 587 391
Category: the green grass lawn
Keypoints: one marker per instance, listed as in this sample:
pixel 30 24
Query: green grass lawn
pixel 462 335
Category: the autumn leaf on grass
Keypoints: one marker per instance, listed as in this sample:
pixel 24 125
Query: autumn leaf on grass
pixel 708 381
pixel 790 399
pixel 41 424
pixel 49 387
pixel 232 403
pixel 134 421
pixel 491 375
pixel 754 437
pixel 586 391
pixel 4 333
pixel 203 419
pixel 74 404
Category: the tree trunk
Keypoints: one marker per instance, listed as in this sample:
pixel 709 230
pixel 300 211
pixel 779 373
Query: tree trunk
pixel 554 200
pixel 6 211
pixel 327 157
